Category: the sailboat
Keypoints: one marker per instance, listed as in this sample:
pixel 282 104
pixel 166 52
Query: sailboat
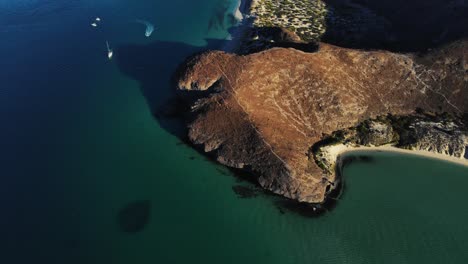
pixel 110 53
pixel 95 23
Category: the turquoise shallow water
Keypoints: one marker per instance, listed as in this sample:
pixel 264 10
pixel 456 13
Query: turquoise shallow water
pixel 79 144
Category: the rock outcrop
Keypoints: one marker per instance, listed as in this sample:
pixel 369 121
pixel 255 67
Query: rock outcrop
pixel 436 133
pixel 446 137
pixel 263 112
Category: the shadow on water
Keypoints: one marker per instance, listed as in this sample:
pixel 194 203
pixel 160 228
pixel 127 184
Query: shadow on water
pixel 395 25
pixel 340 191
pixel 134 216
pixel 153 66
pixel 333 197
pixel 245 191
pixel 348 160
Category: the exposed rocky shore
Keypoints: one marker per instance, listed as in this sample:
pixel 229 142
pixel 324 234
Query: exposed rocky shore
pixel 274 113
pixel 432 135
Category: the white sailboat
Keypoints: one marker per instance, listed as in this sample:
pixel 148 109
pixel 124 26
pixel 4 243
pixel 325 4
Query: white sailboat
pixel 95 22
pixel 110 53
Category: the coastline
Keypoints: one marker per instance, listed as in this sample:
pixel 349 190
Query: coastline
pixel 338 151
pixel 236 36
pixel 294 174
pixel 245 6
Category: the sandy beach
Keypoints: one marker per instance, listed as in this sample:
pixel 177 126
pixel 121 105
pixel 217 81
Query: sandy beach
pixel 333 152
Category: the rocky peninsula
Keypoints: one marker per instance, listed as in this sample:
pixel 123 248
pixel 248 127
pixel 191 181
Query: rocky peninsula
pixel 285 115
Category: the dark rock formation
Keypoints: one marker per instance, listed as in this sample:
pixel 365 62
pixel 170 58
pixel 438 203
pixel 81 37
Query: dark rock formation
pixel 245 191
pixel 446 137
pixel 396 25
pixel 375 133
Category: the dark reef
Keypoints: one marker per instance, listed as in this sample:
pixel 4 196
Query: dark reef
pixel 134 216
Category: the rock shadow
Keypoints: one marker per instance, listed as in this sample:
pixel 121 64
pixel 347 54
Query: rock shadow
pixel 245 191
pixel 154 66
pixel 352 158
pixel 395 25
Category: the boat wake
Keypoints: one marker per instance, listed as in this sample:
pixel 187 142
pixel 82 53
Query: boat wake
pixel 149 27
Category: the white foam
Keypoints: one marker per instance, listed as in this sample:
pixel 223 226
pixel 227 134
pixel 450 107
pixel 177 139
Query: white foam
pixel 237 13
pixel 149 27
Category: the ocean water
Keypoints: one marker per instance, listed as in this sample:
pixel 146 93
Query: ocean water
pixel 88 175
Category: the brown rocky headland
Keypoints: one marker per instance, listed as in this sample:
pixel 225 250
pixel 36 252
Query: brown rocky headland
pixel 264 112
pixel 284 114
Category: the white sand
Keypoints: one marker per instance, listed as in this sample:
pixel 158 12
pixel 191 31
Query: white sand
pixel 332 152
pixel 237 13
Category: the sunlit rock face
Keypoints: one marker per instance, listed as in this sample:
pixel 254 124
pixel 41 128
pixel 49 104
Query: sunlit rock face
pixel 267 109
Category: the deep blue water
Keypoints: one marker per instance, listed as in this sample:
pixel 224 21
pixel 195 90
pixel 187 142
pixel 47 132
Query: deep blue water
pixel 75 123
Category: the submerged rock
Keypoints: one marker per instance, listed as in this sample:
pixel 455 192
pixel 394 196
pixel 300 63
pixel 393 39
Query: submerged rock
pixel 245 191
pixel 135 216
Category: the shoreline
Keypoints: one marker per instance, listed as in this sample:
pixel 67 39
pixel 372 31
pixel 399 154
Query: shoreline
pixel 340 150
pixel 236 37
pixel 245 6
pixel 339 155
